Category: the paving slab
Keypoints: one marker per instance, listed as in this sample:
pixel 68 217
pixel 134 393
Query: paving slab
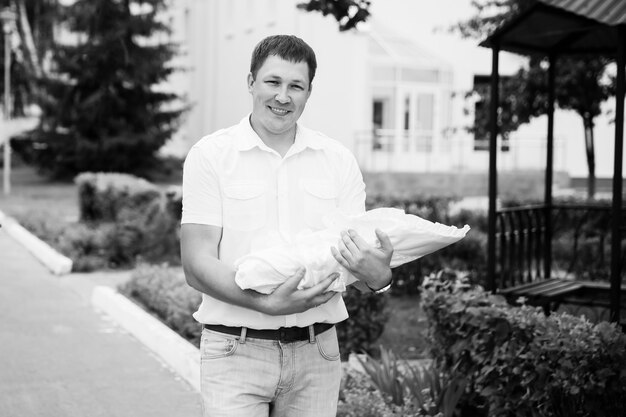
pixel 59 357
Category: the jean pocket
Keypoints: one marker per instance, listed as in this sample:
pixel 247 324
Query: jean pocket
pixel 328 345
pixel 216 345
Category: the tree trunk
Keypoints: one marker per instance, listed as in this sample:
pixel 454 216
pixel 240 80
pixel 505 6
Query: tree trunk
pixel 28 43
pixel 591 156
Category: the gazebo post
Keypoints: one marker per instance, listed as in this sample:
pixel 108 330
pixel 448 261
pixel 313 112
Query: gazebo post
pixel 493 179
pixel 616 209
pixel 547 248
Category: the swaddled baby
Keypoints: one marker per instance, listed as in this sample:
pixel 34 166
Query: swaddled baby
pixel 411 236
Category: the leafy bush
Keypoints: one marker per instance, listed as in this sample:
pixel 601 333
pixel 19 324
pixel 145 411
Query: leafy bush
pixel 103 196
pixel 359 398
pixel 420 387
pixel 365 324
pixel 520 362
pixel 162 290
pixel 123 218
pixel 88 245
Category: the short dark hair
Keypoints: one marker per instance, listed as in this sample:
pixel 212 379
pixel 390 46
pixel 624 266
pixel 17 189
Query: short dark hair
pixel 287 47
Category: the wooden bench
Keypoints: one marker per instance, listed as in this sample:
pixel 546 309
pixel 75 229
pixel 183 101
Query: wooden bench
pixel 550 293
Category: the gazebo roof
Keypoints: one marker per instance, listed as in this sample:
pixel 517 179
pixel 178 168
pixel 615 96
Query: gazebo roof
pixel 562 27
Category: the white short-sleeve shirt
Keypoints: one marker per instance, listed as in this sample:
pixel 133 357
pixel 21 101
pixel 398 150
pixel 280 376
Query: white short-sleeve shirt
pixel 234 181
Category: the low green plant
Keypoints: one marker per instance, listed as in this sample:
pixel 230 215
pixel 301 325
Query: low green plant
pixel 359 398
pixel 162 290
pixel 518 361
pixel 366 322
pixel 428 392
pixel 103 196
pixel 385 374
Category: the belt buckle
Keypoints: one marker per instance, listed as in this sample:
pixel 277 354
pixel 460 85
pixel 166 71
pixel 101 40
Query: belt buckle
pixel 288 335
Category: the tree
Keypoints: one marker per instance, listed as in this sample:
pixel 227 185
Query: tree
pixel 34 26
pixel 102 110
pixel 579 84
pixel 348 13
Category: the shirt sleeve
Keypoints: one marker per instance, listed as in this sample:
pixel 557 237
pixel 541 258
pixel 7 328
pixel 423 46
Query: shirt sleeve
pixel 352 188
pixel 202 199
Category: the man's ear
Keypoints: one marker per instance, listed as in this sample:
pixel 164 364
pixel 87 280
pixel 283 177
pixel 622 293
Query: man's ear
pixel 310 89
pixel 250 82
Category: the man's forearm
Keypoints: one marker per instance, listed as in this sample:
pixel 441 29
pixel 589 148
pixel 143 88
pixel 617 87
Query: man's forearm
pixel 212 277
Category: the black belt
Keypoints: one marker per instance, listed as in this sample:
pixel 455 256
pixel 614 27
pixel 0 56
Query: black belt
pixel 283 334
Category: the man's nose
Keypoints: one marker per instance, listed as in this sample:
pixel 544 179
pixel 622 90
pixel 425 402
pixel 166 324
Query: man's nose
pixel 282 96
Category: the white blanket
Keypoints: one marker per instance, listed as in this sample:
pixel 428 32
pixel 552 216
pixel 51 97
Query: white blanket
pixel 411 236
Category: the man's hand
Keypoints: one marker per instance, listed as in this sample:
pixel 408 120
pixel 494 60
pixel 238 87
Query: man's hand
pixel 288 299
pixel 368 264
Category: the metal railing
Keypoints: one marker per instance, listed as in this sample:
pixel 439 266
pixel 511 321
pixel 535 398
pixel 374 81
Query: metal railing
pixel 579 248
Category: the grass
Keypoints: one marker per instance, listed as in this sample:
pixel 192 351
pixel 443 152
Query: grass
pixel 31 192
pixel 406 332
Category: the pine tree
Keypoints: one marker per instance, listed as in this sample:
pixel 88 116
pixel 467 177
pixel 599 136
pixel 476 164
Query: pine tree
pixel 102 109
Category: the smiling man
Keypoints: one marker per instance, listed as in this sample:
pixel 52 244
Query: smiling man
pixel 265 180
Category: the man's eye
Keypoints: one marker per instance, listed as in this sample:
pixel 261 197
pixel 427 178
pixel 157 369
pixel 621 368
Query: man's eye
pixel 298 87
pixel 272 82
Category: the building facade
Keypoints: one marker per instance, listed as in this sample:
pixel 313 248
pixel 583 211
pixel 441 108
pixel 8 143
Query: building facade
pixel 397 105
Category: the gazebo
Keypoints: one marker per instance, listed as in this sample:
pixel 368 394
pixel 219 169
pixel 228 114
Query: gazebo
pixel 555 28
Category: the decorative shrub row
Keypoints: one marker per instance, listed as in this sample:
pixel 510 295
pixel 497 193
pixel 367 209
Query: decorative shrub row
pixel 162 290
pixel 518 361
pixel 103 197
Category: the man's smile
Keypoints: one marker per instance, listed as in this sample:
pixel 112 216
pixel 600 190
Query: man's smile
pixel 278 111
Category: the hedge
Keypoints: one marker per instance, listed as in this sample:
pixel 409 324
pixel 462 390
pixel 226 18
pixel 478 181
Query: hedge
pixel 520 362
pixel 122 219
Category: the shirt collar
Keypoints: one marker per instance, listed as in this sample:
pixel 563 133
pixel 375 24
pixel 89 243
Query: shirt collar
pixel 248 138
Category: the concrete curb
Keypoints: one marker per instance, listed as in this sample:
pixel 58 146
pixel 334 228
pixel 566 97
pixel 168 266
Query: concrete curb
pixel 50 258
pixel 178 353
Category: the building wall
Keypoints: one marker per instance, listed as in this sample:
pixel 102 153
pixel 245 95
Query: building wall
pixel 222 35
pixel 218 37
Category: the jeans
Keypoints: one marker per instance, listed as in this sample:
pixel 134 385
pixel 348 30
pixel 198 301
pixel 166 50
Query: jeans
pixel 256 377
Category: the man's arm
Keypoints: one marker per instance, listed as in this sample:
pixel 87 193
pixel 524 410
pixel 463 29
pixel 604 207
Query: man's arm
pixel 207 274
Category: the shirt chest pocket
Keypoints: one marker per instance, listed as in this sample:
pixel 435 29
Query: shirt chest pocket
pixel 245 205
pixel 319 199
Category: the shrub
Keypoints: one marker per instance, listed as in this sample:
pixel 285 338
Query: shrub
pixel 365 324
pixel 520 362
pixel 163 291
pixel 151 234
pixel 123 218
pixel 88 245
pixel 359 398
pixel 420 388
pixel 103 196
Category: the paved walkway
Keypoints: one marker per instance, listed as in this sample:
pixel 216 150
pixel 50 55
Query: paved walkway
pixel 59 357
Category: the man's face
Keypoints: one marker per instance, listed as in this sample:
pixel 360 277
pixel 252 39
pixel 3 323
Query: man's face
pixel 279 95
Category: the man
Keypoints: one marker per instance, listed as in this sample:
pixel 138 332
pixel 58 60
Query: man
pixel 263 179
